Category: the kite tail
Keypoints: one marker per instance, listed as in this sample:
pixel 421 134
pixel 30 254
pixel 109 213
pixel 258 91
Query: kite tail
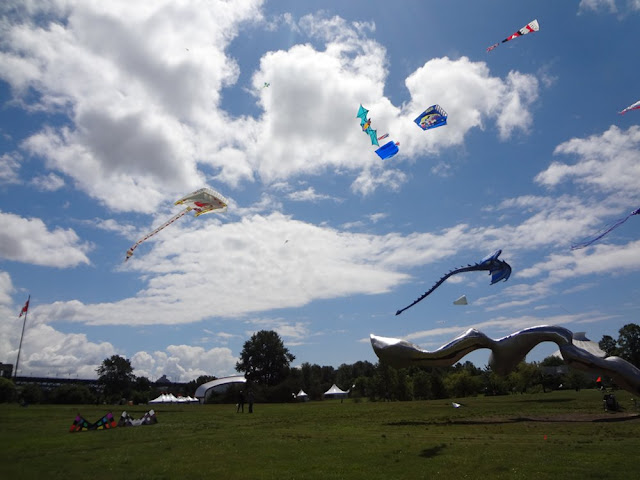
pixel 469 268
pixel 149 235
pixel 613 226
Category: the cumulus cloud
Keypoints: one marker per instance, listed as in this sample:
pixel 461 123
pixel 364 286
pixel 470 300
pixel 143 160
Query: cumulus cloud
pixel 606 162
pixel 29 240
pixel 597 5
pixel 182 363
pixel 9 166
pixel 48 183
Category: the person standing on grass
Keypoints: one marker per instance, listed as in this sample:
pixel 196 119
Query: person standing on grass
pixel 240 406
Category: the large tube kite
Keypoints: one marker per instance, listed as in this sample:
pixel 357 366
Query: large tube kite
pixel 201 201
pixel 507 353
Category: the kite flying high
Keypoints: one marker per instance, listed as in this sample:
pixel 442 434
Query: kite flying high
pixel 634 106
pixel 498 269
pixel 201 201
pixel 603 232
pixel 389 149
pixel 528 28
pixel 432 117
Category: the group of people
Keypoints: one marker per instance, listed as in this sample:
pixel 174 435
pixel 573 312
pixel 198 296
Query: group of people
pixel 241 399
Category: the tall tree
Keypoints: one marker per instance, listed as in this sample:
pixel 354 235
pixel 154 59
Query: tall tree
pixel 609 346
pixel 115 374
pixel 264 358
pixel 629 343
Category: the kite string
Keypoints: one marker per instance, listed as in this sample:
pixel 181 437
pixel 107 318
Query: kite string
pixel 606 230
pixel 151 234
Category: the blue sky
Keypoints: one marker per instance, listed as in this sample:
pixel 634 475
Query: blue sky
pixel 111 111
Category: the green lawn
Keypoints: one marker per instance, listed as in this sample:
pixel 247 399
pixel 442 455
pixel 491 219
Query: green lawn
pixel 553 435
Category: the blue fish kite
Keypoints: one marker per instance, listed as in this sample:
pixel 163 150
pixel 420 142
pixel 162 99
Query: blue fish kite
pixel 432 117
pixel 498 269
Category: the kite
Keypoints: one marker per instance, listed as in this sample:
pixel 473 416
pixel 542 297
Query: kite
pixel 148 418
pixel 432 117
pixel 528 28
pixel 389 149
pixel 81 425
pixel 201 201
pixel 606 230
pixel 635 106
pixel 498 269
pixel 507 353
pixel 266 84
pixel 461 301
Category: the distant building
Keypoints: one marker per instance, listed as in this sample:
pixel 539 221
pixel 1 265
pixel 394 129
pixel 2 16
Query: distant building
pixel 6 370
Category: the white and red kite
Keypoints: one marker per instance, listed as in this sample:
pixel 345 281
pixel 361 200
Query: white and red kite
pixel 201 201
pixel 635 106
pixel 528 28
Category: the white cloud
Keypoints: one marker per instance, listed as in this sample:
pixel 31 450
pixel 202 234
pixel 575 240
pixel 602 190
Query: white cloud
pixel 308 195
pixel 606 163
pixel 9 166
pixel 182 363
pixel 29 240
pixel 597 5
pixel 48 183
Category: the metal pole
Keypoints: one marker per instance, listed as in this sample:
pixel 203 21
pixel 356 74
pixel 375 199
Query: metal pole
pixel 15 373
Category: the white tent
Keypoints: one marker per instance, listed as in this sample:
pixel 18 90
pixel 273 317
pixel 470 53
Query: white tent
pixel 301 396
pixel 580 340
pixel 335 392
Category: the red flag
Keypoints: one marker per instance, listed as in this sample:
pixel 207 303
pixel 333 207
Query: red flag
pixel 599 380
pixel 24 309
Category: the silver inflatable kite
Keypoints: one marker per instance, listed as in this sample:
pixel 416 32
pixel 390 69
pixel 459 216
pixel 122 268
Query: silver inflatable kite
pixel 507 353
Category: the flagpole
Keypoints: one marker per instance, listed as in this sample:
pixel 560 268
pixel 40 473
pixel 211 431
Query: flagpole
pixel 15 373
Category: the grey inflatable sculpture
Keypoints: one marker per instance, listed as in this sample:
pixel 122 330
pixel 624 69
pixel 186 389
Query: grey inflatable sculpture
pixel 507 353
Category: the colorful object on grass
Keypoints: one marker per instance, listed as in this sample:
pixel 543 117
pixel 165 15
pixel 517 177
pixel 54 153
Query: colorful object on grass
pixel 498 269
pixel 205 200
pixel 81 425
pixel 149 418
pixel 603 232
pixel 528 28
pixel 432 117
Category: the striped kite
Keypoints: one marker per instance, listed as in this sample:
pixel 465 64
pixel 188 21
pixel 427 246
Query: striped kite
pixel 201 201
pixel 528 28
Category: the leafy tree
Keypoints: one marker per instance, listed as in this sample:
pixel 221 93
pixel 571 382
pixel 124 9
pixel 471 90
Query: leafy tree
pixel 264 358
pixel 7 390
pixel 115 374
pixel 552 361
pixel 629 343
pixel 609 346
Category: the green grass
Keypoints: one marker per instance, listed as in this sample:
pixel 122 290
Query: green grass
pixel 499 437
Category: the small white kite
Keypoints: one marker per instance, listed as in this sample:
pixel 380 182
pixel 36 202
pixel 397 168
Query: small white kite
pixel 461 301
pixel 201 201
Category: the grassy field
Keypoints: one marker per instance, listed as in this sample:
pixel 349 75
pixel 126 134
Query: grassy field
pixel 554 435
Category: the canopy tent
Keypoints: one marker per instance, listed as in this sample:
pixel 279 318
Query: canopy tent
pixel 336 392
pixel 219 384
pixel 301 396
pixel 580 340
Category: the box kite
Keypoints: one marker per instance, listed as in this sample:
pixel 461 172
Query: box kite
pixel 201 201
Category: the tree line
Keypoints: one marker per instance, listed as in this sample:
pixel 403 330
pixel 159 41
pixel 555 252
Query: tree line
pixel 266 363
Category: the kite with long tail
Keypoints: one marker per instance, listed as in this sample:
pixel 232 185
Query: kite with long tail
pixel 528 28
pixel 606 230
pixel 201 201
pixel 498 269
